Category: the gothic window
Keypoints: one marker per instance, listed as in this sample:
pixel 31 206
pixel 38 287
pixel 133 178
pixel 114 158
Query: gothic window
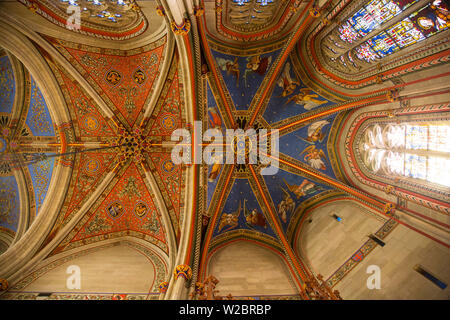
pixel 371 16
pixel 369 38
pixel 241 2
pixel 418 151
pixel 97 8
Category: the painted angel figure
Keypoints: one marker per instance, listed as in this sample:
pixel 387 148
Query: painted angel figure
pixel 257 65
pixel 304 189
pixel 286 82
pixel 217 159
pixel 315 132
pixel 214 120
pixel 307 98
pixel 287 205
pixel 255 218
pixel 231 67
pixel 314 157
pixel 230 219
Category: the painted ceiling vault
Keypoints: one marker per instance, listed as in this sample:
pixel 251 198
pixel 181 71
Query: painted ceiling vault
pixel 86 143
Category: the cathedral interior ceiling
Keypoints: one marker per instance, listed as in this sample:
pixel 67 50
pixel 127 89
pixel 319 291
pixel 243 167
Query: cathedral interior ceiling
pixel 252 80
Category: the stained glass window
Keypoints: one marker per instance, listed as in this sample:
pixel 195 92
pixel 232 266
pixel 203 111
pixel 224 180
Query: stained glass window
pixel 382 11
pixel 413 150
pixel 415 166
pixel 416 137
pixel 241 2
pixel 365 52
pixel 438 136
pixel 438 170
pixel 363 22
pixel 370 17
pixel 395 162
pixel 432 18
pixel 264 2
pixel 403 4
pixel 347 33
pixel 382 44
pixel 405 33
pixel 104 14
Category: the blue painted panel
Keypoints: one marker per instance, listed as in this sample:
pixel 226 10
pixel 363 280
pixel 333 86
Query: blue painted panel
pixel 9 203
pixel 249 216
pixel 41 174
pixel 243 75
pixel 7 85
pixel 290 97
pixel 289 190
pixel 38 117
pixel 309 145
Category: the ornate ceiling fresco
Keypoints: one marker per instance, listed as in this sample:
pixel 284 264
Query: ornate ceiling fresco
pixel 250 21
pixel 25 178
pixel 269 88
pixel 117 19
pixel 125 81
pixel 290 66
pixel 236 18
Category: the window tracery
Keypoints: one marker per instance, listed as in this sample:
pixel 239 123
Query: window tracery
pixel 362 34
pixel 409 150
pixel 101 9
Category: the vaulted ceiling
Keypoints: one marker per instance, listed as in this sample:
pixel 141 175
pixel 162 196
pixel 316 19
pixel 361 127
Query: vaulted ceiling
pixel 99 104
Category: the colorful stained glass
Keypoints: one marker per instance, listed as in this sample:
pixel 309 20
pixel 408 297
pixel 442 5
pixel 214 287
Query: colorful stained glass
pixel 419 151
pixel 383 44
pixel 439 170
pixel 403 4
pixel 363 22
pixel 439 138
pixel 429 20
pixel 416 137
pixel 264 2
pixel 365 52
pixel 382 11
pixel 405 33
pixel 347 33
pixel 432 18
pixel 241 2
pixel 415 166
pixel 370 17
